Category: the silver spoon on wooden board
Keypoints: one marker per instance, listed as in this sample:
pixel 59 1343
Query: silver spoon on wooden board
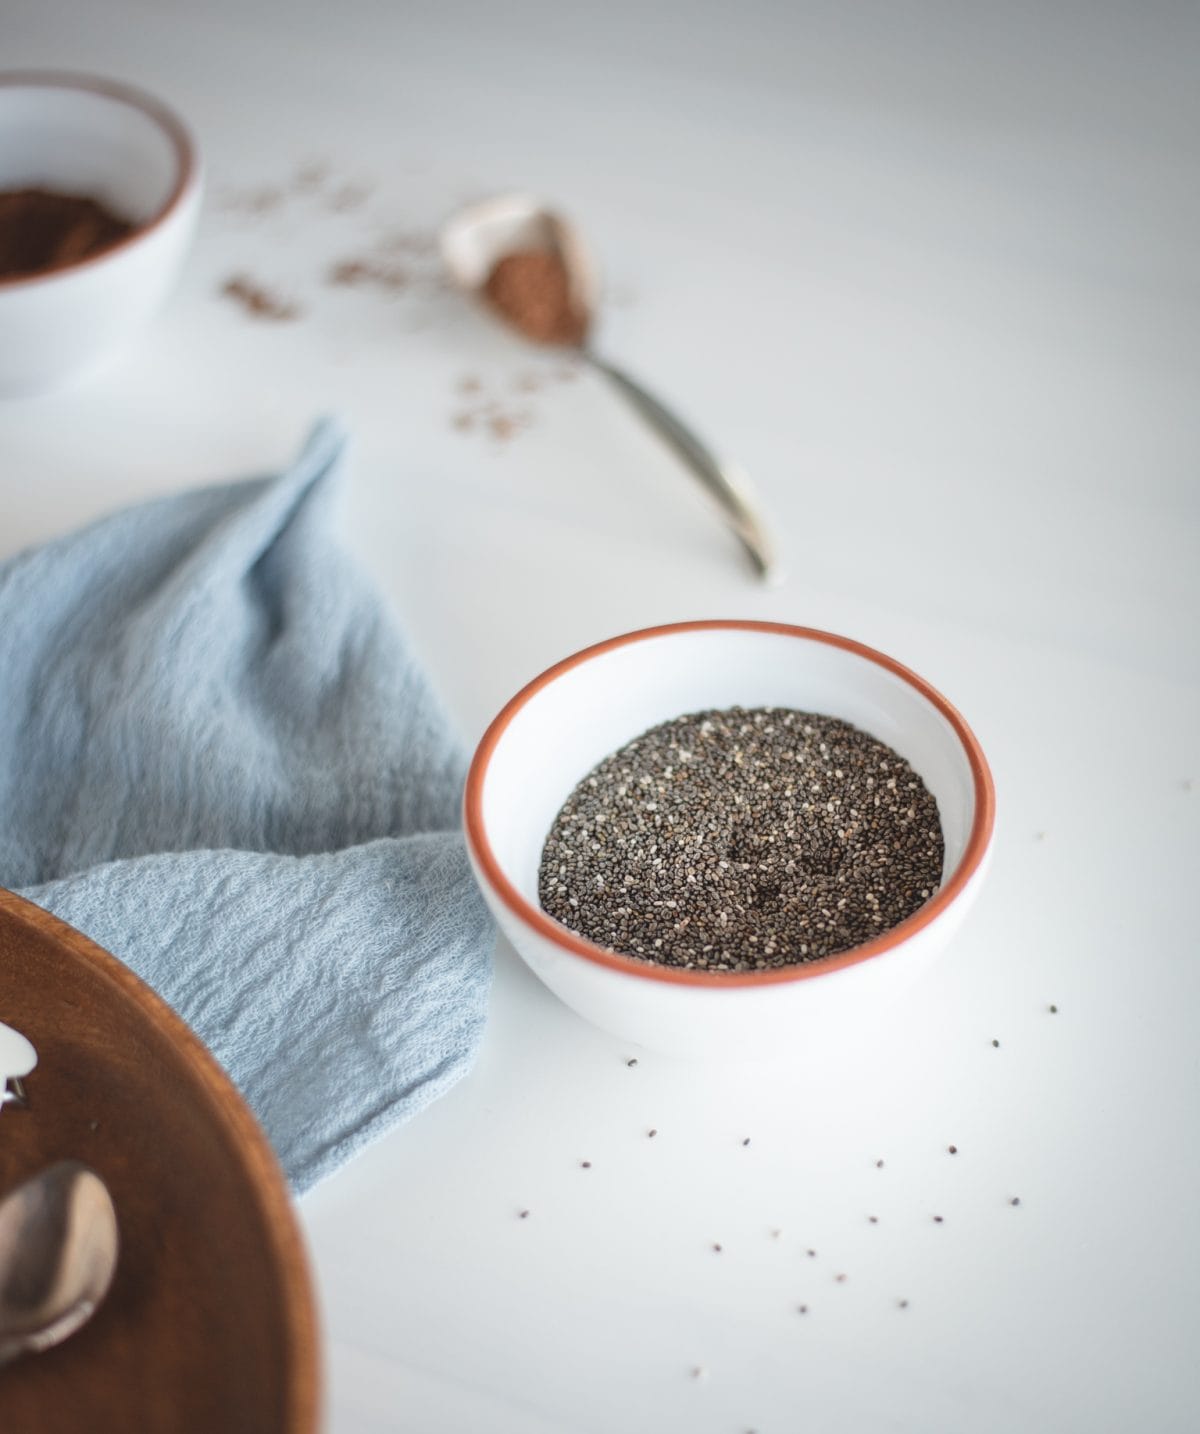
pixel 58 1252
pixel 478 237
pixel 17 1059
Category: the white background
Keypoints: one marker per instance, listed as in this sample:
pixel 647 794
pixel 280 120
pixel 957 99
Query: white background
pixel 930 272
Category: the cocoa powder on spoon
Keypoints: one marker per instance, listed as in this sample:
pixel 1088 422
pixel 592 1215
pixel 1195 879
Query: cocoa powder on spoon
pixel 531 288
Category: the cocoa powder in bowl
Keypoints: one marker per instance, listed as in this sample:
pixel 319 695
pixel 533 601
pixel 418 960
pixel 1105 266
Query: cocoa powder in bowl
pixel 42 231
pixel 531 288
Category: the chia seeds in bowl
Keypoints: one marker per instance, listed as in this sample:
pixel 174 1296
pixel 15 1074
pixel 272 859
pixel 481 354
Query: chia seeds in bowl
pixel 560 725
pixel 743 839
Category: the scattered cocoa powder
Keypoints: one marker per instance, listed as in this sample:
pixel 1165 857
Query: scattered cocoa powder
pixel 42 231
pixel 532 290
pixel 349 196
pixel 310 176
pixel 257 301
pixel 369 272
pixel 503 422
pixel 497 420
pixel 494 408
pixel 260 199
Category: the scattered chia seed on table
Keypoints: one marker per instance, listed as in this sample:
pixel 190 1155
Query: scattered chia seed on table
pixel 743 840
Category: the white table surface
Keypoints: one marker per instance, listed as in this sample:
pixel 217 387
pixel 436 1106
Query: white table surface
pixel 931 273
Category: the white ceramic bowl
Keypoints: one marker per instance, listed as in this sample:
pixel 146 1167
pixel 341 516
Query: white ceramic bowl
pixel 559 726
pixel 87 136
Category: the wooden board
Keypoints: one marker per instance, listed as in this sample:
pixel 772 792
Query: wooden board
pixel 209 1325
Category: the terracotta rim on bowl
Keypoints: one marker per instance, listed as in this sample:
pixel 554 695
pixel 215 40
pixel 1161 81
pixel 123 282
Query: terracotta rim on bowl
pixel 545 925
pixel 167 121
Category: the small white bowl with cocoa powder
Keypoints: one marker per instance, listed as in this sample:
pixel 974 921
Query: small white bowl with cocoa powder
pixel 559 727
pixel 99 193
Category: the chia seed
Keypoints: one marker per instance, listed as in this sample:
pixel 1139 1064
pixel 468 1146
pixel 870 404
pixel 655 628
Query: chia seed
pixel 742 840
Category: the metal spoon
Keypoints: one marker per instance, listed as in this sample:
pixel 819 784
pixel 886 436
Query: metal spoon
pixel 473 241
pixel 17 1059
pixel 58 1251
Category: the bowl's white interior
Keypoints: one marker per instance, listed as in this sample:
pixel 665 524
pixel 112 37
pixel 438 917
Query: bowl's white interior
pixel 597 706
pixel 80 142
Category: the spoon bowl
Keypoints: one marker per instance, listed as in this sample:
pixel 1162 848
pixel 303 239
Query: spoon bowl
pixel 17 1059
pixel 58 1251
pixel 476 238
pixel 17 1054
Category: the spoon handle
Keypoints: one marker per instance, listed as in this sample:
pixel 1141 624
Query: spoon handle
pixel 722 482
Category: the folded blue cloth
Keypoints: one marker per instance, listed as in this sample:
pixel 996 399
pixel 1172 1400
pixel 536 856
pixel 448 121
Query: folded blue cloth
pixel 219 760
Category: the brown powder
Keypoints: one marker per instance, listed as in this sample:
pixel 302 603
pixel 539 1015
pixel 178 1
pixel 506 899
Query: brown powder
pixel 349 196
pixel 532 290
pixel 42 231
pixel 264 199
pixel 310 176
pixel 369 272
pixel 258 302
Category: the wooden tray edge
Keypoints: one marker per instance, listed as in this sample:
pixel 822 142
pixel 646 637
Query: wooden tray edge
pixel 304 1387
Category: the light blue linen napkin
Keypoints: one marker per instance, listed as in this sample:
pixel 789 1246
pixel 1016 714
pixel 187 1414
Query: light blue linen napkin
pixel 220 761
